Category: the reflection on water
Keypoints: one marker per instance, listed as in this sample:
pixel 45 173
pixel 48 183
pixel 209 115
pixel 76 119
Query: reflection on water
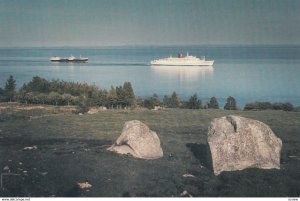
pixel 184 73
pixel 57 66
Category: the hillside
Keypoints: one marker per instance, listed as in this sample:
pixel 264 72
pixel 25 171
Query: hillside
pixel 72 148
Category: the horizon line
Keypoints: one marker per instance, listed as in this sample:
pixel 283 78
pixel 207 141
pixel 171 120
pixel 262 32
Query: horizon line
pixel 156 45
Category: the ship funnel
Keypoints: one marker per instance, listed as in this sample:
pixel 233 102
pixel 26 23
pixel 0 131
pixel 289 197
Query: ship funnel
pixel 180 55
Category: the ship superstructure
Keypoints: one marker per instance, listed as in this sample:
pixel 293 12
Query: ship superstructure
pixel 181 60
pixel 69 59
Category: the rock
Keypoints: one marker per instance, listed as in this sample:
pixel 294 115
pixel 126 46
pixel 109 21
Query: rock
pixel 30 148
pixel 6 168
pixel 138 140
pixel 103 108
pixel 237 143
pixel 156 108
pixel 43 173
pixel 93 110
pixel 188 175
pixel 84 185
pixel 185 194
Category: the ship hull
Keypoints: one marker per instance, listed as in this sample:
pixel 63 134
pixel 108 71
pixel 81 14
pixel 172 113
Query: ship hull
pixel 162 63
pixel 78 60
pixel 70 61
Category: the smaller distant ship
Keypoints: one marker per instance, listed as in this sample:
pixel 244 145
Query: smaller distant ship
pixel 69 59
pixel 182 61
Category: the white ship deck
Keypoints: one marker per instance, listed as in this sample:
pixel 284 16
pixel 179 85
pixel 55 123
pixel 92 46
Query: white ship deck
pixel 182 61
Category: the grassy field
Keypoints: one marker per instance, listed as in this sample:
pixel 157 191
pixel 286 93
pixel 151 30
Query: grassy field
pixel 72 148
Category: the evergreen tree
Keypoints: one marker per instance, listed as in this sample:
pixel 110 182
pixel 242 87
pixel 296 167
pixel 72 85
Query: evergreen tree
pixel 174 100
pixel 151 102
pixel 167 101
pixel 10 89
pixel 194 102
pixel 213 103
pixel 112 97
pixel 155 100
pixel 120 96
pixel 128 94
pixel 2 97
pixel 231 104
pixel 38 84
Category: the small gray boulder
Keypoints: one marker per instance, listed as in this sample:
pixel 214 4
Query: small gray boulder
pixel 237 143
pixel 138 140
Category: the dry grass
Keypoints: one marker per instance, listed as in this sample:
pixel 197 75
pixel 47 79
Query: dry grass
pixel 71 149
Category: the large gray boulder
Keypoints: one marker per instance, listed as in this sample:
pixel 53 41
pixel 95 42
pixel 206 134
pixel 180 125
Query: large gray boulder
pixel 237 143
pixel 138 140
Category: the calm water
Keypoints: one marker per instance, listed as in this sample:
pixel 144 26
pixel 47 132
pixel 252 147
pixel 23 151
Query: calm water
pixel 246 73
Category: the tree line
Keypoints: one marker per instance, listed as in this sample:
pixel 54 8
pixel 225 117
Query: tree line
pixel 59 92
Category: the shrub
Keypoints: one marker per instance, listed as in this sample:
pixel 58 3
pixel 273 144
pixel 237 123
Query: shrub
pixel 151 102
pixel 82 108
pixel 283 106
pixel 258 106
pixel 287 107
pixel 269 106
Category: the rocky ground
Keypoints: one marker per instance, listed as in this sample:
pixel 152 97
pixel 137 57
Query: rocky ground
pixel 47 152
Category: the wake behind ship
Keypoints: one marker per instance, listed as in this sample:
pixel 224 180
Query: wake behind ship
pixel 182 61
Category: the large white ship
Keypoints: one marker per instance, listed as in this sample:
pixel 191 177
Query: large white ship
pixel 182 61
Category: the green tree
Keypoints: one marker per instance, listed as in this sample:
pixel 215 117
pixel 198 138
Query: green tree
pixel 151 102
pixel 129 96
pixel 175 100
pixel 230 104
pixel 37 84
pixel 287 106
pixel 10 89
pixel 54 98
pixel 29 98
pixel 194 102
pixel 148 103
pixel 2 97
pixel 213 103
pixel 41 98
pixel 283 106
pixel 167 101
pixel 112 97
pixel 68 99
pixel 172 101
pixel 120 96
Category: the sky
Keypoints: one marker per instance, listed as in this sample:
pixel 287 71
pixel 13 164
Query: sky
pixel 45 23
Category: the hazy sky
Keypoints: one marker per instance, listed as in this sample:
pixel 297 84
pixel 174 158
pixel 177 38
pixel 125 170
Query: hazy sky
pixel 144 22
